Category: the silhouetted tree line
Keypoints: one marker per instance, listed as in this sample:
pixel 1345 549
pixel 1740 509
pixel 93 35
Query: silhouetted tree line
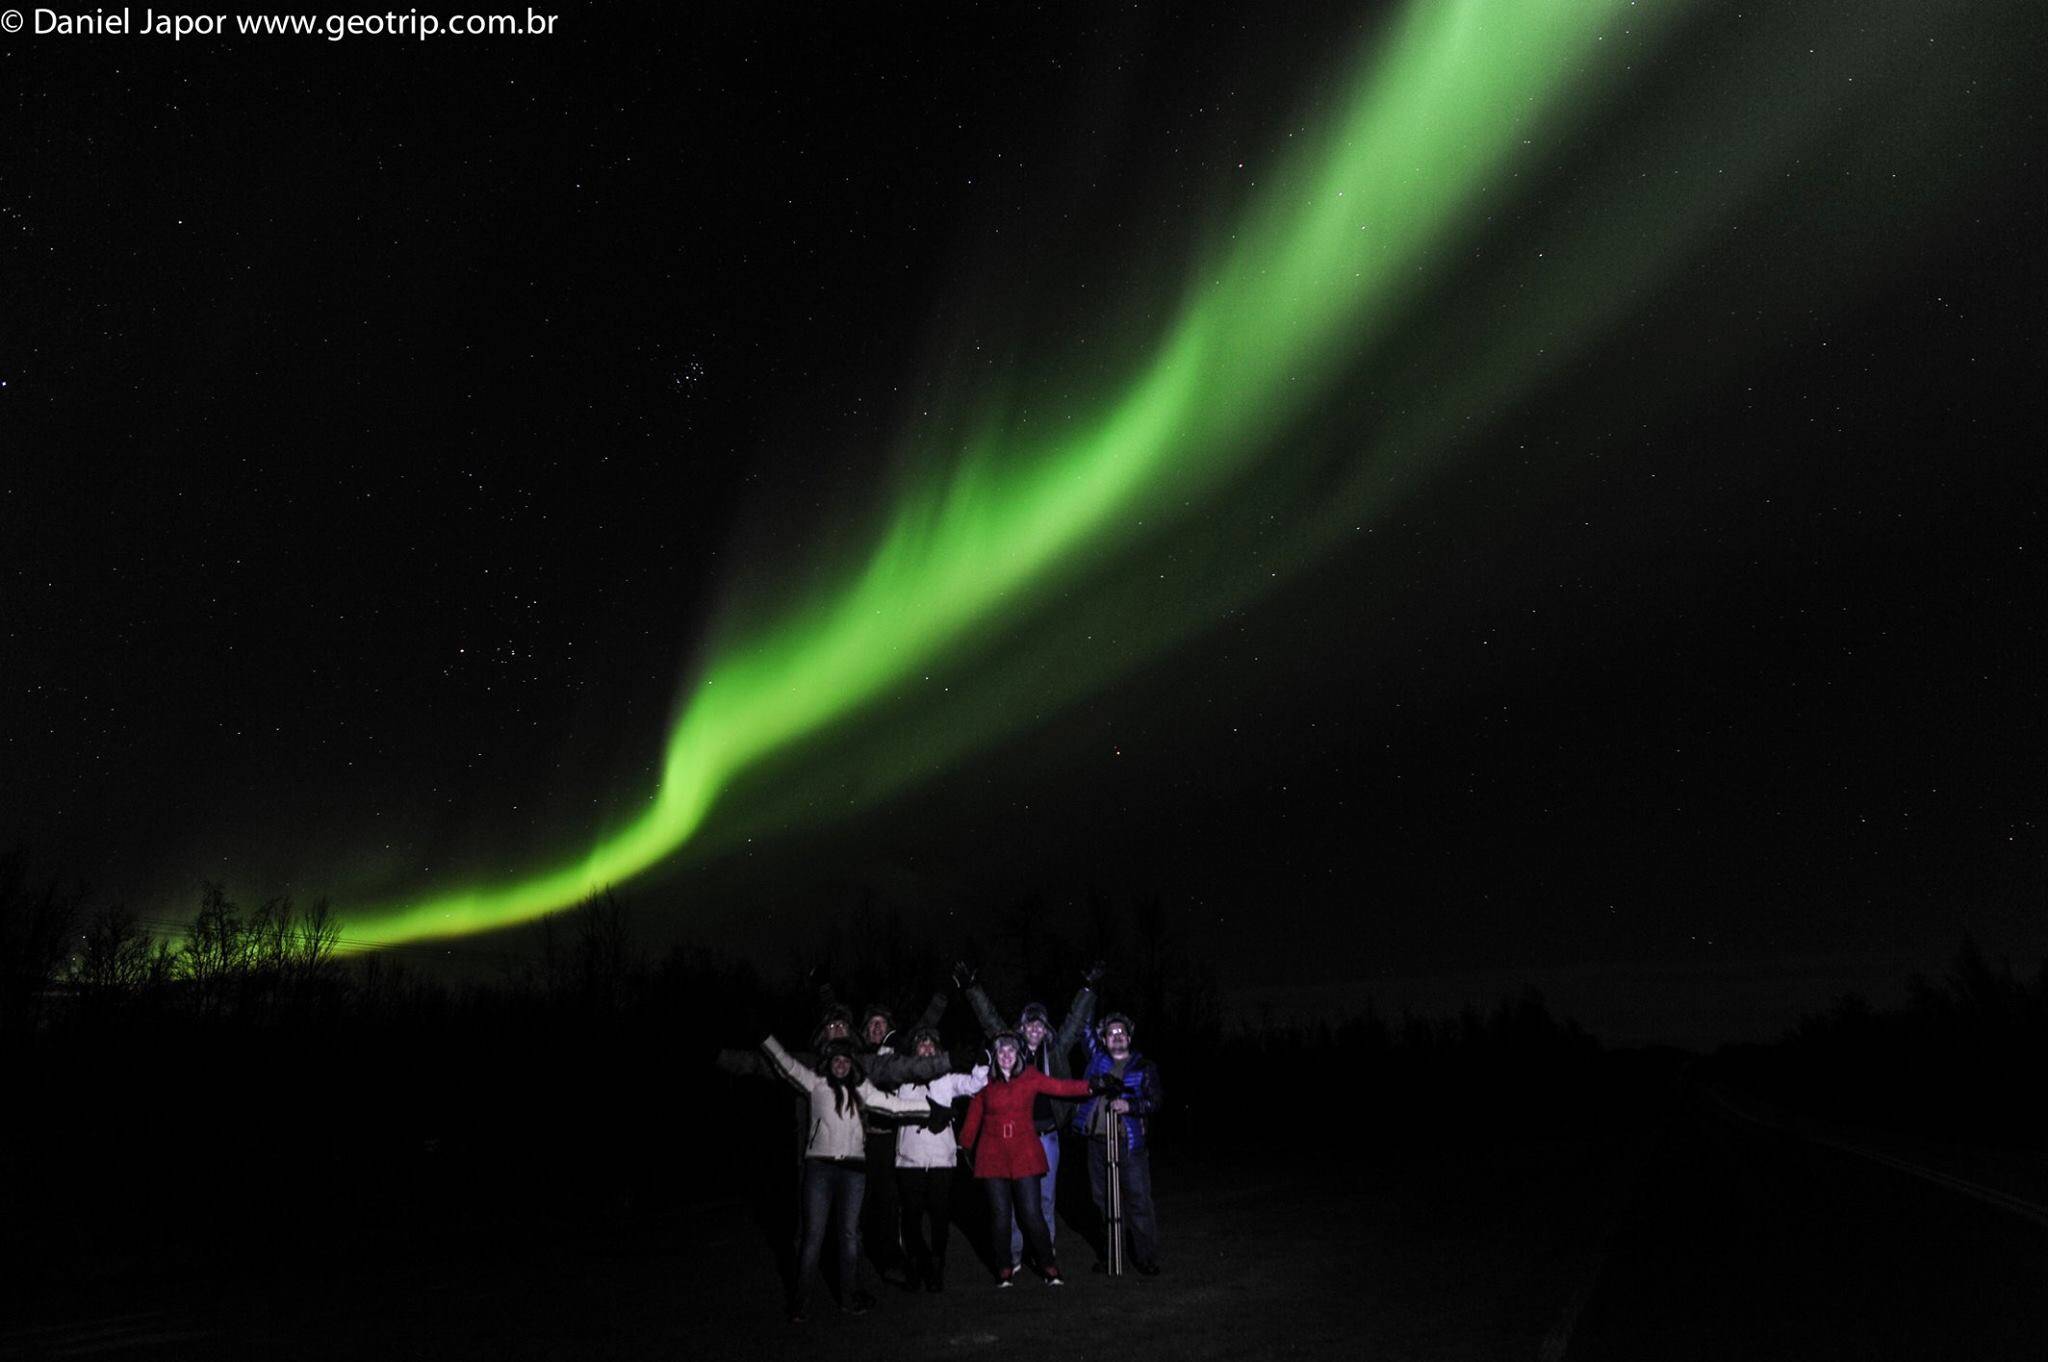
pixel 353 1104
pixel 1959 1060
pixel 1481 1078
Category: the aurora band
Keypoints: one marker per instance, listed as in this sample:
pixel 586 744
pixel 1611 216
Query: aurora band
pixel 1324 257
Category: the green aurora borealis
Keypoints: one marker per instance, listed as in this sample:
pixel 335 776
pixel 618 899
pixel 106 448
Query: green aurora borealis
pixel 1332 250
pixel 1326 252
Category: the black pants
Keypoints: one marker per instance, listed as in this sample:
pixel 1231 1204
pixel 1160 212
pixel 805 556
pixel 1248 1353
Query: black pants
pixel 1019 1197
pixel 927 1195
pixel 878 1215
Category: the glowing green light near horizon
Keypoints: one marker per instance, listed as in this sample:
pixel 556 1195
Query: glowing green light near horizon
pixel 1325 255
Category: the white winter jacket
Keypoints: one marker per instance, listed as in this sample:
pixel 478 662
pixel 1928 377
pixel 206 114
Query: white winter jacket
pixel 921 1147
pixel 836 1134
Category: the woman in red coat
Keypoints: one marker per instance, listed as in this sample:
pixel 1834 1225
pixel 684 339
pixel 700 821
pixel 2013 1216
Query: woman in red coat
pixel 1008 1159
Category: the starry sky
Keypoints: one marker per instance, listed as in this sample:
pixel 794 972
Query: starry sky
pixel 388 427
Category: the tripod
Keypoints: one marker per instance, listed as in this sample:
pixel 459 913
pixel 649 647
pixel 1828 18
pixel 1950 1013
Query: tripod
pixel 1113 1216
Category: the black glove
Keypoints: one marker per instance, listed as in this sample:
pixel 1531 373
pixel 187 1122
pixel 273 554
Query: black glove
pixel 963 975
pixel 1093 974
pixel 1106 1085
pixel 940 1118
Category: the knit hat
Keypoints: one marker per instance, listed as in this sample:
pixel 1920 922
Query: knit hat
pixel 834 1013
pixel 1034 1012
pixel 1115 1019
pixel 930 1033
pixel 835 1049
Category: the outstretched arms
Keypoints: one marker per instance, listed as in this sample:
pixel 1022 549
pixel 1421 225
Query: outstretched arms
pixel 872 1096
pixel 893 1070
pixel 800 1078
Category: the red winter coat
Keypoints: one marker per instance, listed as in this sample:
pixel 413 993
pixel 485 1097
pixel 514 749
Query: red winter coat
pixel 999 1128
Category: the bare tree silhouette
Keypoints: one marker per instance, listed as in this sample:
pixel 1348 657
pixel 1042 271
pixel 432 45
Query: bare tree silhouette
pixel 35 933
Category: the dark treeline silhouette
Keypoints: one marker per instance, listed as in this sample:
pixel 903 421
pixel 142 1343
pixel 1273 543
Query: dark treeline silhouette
pixel 1474 1077
pixel 1959 1060
pixel 242 1089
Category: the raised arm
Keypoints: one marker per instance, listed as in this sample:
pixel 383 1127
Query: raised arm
pixel 889 1102
pixel 977 998
pixel 953 1087
pixel 800 1078
pixel 1080 1012
pixel 934 1010
pixel 1060 1087
pixel 894 1070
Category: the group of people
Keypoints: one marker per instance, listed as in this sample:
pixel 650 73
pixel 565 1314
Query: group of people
pixel 881 1143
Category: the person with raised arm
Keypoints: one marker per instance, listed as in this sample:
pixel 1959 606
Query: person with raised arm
pixel 1126 1083
pixel 835 1163
pixel 1049 1051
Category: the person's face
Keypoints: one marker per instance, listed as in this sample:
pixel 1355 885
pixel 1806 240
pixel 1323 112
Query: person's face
pixel 1034 1033
pixel 876 1029
pixel 1006 1056
pixel 841 1067
pixel 835 1029
pixel 926 1047
pixel 1118 1039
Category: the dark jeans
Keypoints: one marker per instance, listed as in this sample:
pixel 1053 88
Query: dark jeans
pixel 1049 1141
pixel 831 1190
pixel 1020 1198
pixel 878 1217
pixel 1141 1221
pixel 927 1195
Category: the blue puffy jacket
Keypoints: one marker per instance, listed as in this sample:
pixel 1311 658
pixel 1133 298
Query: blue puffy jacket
pixel 1141 1089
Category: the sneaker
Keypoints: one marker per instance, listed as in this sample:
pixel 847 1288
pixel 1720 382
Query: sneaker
pixel 1007 1277
pixel 1053 1278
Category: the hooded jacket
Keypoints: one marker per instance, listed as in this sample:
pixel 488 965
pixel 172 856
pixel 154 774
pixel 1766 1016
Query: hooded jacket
pixel 1053 1057
pixel 890 1068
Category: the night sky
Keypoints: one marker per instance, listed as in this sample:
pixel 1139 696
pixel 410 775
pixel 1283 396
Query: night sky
pixel 392 431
